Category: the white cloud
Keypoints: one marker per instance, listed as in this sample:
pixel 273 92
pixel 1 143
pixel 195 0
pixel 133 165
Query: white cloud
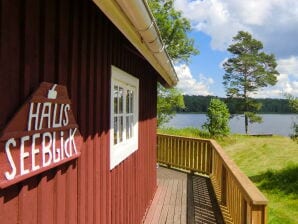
pixel 273 22
pixel 212 18
pixel 287 80
pixel 288 66
pixel 279 90
pixel 253 12
pixel 189 85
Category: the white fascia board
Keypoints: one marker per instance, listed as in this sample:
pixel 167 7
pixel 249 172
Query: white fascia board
pixel 160 61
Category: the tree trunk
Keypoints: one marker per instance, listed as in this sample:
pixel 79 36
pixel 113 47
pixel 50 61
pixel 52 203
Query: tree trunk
pixel 246 124
pixel 246 102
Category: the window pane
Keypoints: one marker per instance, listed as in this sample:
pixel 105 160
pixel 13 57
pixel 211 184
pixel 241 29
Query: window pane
pixel 131 126
pixel 115 130
pixel 120 95
pixel 121 129
pixel 127 128
pixel 127 101
pixel 131 102
pixel 115 99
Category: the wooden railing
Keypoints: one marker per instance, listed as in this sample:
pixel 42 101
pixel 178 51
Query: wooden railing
pixel 236 194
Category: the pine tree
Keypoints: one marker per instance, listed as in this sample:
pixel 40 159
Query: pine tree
pixel 249 70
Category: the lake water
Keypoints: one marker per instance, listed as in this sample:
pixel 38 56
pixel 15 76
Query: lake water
pixel 277 124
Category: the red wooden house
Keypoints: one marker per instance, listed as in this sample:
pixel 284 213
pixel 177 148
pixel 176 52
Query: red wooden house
pixel 86 71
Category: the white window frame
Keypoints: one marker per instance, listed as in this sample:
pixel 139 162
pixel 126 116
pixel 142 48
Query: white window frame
pixel 122 150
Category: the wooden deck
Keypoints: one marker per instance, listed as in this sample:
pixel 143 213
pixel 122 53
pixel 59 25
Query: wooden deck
pixel 170 201
pixel 183 198
pixel 240 200
pixel 203 202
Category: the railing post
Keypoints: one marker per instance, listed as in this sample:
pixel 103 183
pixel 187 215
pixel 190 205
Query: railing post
pixel 211 158
pixel 258 214
pixel 224 186
pixel 244 213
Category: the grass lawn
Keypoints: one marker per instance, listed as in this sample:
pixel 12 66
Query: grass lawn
pixel 272 164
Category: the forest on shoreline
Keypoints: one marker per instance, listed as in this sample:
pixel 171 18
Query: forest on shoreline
pixel 199 104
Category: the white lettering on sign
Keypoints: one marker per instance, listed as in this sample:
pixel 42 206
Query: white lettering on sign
pixel 49 139
pixel 23 155
pixel 41 114
pixel 11 175
pixel 49 151
pixel 33 115
pixel 34 151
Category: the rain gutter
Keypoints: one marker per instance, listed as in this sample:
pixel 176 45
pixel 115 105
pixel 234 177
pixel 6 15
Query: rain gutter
pixel 134 19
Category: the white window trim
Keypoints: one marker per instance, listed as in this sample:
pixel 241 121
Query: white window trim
pixel 121 151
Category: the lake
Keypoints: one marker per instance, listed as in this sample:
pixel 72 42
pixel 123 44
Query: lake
pixel 277 124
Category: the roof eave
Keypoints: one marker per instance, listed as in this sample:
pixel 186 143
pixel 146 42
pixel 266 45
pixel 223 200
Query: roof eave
pixel 134 19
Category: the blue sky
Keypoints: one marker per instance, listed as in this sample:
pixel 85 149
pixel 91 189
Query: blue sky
pixel 215 22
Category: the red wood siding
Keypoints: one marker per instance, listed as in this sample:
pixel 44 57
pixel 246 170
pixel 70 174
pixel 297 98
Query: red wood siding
pixel 72 43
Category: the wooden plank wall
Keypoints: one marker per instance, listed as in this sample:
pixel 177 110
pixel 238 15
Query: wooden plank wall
pixel 72 43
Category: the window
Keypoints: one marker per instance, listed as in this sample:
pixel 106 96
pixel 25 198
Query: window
pixel 124 116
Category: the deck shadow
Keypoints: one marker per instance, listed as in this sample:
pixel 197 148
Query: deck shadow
pixel 202 206
pixel 283 181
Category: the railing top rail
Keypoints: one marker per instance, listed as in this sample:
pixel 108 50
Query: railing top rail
pixel 187 138
pixel 252 192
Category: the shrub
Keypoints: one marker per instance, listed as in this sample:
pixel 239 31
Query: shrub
pixel 217 118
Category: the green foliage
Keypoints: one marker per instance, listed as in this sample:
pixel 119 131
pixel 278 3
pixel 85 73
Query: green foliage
pixel 295 135
pixel 247 71
pixel 168 101
pixel 253 118
pixel 173 29
pixel 274 106
pixel 217 118
pixel 196 103
pixel 293 102
pixel 200 104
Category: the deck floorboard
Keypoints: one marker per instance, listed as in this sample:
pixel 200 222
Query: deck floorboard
pixel 171 203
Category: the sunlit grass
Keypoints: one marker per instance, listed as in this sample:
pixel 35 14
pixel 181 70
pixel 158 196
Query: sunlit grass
pixel 187 132
pixel 272 164
pixel 255 155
